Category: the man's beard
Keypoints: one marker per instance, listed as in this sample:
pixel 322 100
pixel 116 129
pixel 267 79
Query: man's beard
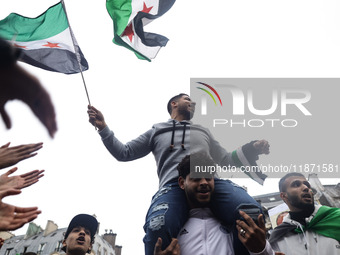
pixel 296 202
pixel 191 195
pixel 188 115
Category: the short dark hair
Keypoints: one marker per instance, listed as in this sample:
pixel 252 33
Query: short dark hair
pixel 282 186
pixel 174 98
pixel 195 159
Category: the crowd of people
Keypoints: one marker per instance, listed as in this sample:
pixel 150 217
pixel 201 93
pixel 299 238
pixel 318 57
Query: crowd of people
pixel 170 142
pixel 16 83
pixel 13 217
pixel 175 209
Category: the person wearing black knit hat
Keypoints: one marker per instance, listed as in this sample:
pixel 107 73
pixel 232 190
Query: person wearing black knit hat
pixel 79 235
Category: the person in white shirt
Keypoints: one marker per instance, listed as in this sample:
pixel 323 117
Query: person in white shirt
pixel 203 234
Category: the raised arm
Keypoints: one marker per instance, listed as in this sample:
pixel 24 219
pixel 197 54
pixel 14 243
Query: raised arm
pixel 262 147
pixel 16 83
pixel 244 157
pixel 11 155
pixel 96 118
pixel 19 181
pixel 13 217
pixel 132 150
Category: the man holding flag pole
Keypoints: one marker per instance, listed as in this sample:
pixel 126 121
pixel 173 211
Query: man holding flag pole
pixel 170 142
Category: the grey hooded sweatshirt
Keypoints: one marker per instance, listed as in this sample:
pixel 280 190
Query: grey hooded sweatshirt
pixel 170 143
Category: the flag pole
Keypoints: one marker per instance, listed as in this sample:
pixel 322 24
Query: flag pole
pixel 82 76
pixel 76 52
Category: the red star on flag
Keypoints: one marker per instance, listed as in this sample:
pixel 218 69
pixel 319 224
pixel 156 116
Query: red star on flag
pixel 129 32
pixel 52 45
pixel 19 46
pixel 146 9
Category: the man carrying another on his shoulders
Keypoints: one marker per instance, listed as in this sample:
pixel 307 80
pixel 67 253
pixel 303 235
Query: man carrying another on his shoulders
pixel 203 233
pixel 170 142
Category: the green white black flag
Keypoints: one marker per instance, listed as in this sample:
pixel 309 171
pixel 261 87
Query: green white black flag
pixel 46 41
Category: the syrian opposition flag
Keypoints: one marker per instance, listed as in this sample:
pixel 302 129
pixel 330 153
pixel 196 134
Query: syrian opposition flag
pixel 46 41
pixel 129 18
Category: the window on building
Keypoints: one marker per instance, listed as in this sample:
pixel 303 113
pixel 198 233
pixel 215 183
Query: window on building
pixel 41 248
pixel 25 249
pixel 105 251
pixel 99 248
pixel 8 251
pixel 58 246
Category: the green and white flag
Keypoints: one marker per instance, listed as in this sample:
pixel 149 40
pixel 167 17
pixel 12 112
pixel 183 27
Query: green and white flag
pixel 129 18
pixel 46 41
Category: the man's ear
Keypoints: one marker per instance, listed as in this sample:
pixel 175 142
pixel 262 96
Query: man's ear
pixel 181 181
pixel 174 103
pixel 90 249
pixel 64 246
pixel 283 196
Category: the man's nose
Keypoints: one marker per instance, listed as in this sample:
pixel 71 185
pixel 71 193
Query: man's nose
pixel 306 188
pixel 203 182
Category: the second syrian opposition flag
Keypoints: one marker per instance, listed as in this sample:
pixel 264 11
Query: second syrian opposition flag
pixel 129 18
pixel 46 41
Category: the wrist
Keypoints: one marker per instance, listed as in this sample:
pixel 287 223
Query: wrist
pixel 266 250
pixel 101 127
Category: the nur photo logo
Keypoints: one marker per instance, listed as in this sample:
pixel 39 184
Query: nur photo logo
pixel 204 99
pixel 253 106
pixel 297 116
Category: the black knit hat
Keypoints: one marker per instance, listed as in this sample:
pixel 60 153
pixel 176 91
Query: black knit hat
pixel 83 220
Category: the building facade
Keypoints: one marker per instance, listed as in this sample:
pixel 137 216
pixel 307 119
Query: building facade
pixel 49 242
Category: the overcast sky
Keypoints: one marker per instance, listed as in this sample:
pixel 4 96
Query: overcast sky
pixel 218 38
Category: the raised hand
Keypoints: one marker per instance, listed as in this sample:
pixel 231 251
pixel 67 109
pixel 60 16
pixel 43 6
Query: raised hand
pixel 96 118
pixel 16 83
pixel 252 236
pixel 13 217
pixel 262 147
pixel 11 155
pixel 19 182
pixel 172 249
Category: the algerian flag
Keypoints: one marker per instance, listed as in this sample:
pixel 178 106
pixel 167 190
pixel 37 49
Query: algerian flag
pixel 46 41
pixel 326 222
pixel 129 18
